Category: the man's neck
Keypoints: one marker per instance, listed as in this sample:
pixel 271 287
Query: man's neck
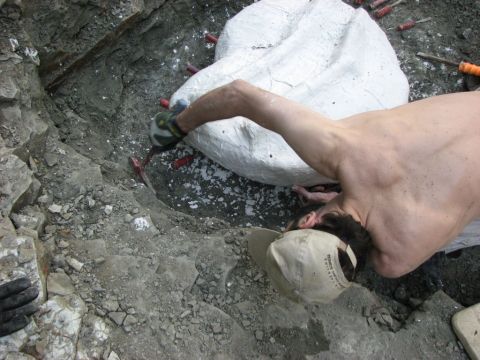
pixel 340 206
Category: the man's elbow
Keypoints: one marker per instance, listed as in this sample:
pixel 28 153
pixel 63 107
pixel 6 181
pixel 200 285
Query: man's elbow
pixel 233 94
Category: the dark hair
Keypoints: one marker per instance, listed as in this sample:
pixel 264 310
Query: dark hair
pixel 347 229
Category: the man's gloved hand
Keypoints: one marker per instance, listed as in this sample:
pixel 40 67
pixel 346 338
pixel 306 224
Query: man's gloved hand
pixel 164 131
pixel 16 304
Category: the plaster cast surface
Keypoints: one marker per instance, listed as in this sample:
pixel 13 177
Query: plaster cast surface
pixel 314 52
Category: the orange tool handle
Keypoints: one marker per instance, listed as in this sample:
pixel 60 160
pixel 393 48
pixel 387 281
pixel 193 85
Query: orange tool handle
pixel 468 68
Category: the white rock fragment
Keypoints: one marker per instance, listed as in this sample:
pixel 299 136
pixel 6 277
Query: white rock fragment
pixel 55 209
pixel 113 356
pixel 33 55
pixel 185 313
pixel 108 209
pixel 249 210
pixel 13 44
pixel 43 199
pixel 74 263
pixel 91 202
pixel 141 224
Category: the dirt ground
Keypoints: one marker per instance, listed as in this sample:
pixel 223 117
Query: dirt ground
pixel 101 110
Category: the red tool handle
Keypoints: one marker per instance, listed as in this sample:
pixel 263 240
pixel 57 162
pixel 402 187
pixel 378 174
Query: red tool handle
pixel 164 103
pixel 192 69
pixel 177 164
pixel 377 3
pixel 382 12
pixel 406 25
pixel 211 38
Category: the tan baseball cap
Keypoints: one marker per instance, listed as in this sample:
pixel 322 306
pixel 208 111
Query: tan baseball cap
pixel 302 264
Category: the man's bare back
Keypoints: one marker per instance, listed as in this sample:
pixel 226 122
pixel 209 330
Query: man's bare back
pixel 409 175
pixel 412 177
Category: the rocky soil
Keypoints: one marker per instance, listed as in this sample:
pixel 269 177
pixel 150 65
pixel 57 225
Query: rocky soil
pixel 125 274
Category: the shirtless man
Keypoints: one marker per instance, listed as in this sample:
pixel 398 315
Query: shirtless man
pixel 409 175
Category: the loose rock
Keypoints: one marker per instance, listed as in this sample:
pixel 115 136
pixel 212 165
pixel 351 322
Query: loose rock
pixel 59 284
pixel 55 209
pixel 117 317
pixel 113 356
pixel 259 335
pixel 74 263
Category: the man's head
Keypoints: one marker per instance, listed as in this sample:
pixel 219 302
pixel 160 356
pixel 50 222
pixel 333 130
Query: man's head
pixel 302 264
pixel 316 257
pixel 344 226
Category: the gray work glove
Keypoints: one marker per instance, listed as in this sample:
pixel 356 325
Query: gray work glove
pixel 16 305
pixel 164 131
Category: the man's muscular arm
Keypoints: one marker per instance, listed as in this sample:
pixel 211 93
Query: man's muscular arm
pixel 315 138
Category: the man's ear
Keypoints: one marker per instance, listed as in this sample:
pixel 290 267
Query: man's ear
pixel 310 220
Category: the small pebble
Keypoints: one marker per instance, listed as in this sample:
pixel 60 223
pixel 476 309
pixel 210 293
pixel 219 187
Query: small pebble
pixel 108 209
pixel 185 313
pixel 216 328
pixel 130 320
pixel 62 244
pixel 42 199
pixel 91 203
pixel 113 356
pixel 401 293
pixel 99 260
pixel 117 317
pixel 55 209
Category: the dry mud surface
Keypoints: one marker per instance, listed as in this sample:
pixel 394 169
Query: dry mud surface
pixel 169 276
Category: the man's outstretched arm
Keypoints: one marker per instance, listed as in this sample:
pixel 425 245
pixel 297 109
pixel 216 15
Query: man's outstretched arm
pixel 315 138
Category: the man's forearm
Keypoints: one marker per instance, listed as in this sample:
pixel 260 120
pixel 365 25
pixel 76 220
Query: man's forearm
pixel 315 138
pixel 218 104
